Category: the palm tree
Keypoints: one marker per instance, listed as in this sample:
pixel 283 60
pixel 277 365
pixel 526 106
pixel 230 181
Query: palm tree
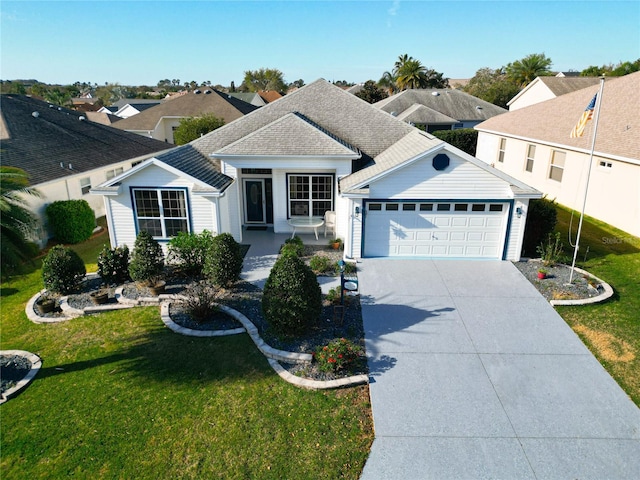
pixel 411 74
pixel 388 82
pixel 524 71
pixel 17 223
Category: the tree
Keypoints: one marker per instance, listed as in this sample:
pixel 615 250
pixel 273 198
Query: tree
pixel 409 72
pixel 195 127
pixel 492 86
pixel 264 79
pixel 17 223
pixel 524 71
pixel 371 93
pixel 388 82
pixel 619 70
pixel 297 84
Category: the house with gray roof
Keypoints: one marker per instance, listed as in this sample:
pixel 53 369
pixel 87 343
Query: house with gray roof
pixel 439 108
pixel 160 121
pixel 533 144
pixel 63 153
pixel 546 88
pixel 395 190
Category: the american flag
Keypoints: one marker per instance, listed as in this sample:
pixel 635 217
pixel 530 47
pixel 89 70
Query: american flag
pixel 587 115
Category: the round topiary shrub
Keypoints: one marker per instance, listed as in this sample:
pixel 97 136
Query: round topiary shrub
pixel 113 264
pixel 188 251
pixel 147 259
pixel 224 260
pixel 62 270
pixel 292 299
pixel 292 246
pixel 72 221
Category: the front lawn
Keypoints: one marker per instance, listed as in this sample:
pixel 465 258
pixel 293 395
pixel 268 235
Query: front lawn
pixel 611 330
pixel 121 396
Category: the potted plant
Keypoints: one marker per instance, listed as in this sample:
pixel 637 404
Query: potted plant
pixel 100 297
pixel 335 243
pixel 542 273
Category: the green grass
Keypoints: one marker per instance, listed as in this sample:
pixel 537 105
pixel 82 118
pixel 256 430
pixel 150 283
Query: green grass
pixel 611 330
pixel 121 396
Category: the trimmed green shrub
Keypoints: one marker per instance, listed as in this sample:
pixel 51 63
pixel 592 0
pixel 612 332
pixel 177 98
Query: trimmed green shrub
pixel 62 270
pixel 465 139
pixel 320 263
pixel 147 259
pixel 189 251
pixel 338 354
pixel 71 221
pixel 292 246
pixel 113 264
pixel 224 260
pixel 542 217
pixel 292 299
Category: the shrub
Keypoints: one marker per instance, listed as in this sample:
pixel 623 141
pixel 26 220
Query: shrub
pixel 541 221
pixel 62 270
pixel 292 299
pixel 465 139
pixel 320 263
pixel 189 251
pixel 113 264
pixel 224 260
pixel 552 250
pixel 72 221
pixel 147 259
pixel 199 301
pixel 292 246
pixel 338 354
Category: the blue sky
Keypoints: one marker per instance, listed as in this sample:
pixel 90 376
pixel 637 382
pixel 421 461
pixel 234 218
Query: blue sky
pixel 142 42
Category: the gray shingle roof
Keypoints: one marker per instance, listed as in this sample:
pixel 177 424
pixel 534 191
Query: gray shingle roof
pixel 39 143
pixel 551 122
pixel 190 161
pixel 419 114
pixel 191 104
pixel 349 118
pixel 453 103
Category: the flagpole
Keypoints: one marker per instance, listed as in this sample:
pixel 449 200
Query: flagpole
pixel 586 187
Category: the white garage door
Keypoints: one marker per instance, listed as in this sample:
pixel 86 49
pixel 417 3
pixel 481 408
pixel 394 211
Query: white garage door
pixel 435 229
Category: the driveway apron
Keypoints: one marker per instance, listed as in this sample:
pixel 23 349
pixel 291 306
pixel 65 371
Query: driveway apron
pixel 474 375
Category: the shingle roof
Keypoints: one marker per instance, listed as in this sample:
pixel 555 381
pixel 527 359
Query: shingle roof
pixel 551 122
pixel 38 143
pixel 217 103
pixel 296 135
pixel 417 113
pixel 453 103
pixel 558 85
pixel 190 161
pixel 349 118
pixel 137 101
pixel 269 95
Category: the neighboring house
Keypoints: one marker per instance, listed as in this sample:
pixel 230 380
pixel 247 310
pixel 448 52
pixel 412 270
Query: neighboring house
pixel 160 121
pixel 102 117
pixel 547 88
pixel 86 104
pixel 250 97
pixel 396 190
pixel 128 107
pixel 269 95
pixel 533 145
pixel 63 153
pixel 439 109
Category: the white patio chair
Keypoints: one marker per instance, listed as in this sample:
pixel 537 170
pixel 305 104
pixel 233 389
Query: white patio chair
pixel 329 222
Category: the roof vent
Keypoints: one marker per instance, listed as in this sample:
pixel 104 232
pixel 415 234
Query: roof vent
pixel 478 107
pixel 196 91
pixel 435 94
pixel 207 92
pixel 61 164
pixel 82 118
pixel 440 161
pixel 35 114
pixel 394 114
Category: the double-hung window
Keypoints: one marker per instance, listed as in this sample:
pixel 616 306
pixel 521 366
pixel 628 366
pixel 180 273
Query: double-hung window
pixel 531 153
pixel 162 213
pixel 502 149
pixel 557 165
pixel 310 195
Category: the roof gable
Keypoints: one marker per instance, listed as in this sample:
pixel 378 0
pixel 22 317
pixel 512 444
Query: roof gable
pixel 417 113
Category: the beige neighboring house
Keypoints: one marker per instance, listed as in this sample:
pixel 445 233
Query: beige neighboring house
pixel 547 88
pixel 160 121
pixel 533 145
pixel 64 153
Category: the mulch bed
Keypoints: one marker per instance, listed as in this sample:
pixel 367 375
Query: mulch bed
pixel 13 368
pixel 556 285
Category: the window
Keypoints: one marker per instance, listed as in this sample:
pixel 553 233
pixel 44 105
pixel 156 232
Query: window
pixel 444 207
pixel 531 153
pixel 460 207
pixel 375 207
pixel 501 149
pixel 162 213
pixel 393 207
pixel 408 207
pixel 557 165
pixel 478 207
pixel 496 207
pixel 85 185
pixel 114 173
pixel 310 195
pixel 426 207
pixel 605 165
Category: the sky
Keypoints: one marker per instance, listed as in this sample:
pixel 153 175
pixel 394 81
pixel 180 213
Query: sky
pixel 143 42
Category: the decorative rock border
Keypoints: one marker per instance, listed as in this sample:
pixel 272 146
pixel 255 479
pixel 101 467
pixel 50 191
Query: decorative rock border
pixel 317 384
pixel 36 363
pixel 606 294
pixel 166 319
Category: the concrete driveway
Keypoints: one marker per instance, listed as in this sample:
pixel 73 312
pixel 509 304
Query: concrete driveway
pixel 474 375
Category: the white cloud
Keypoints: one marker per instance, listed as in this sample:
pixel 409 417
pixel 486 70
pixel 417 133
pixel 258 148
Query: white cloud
pixel 394 8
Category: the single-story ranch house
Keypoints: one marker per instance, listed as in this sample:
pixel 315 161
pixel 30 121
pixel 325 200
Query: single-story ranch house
pixel 395 190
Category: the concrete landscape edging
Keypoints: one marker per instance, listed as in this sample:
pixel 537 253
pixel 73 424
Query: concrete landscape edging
pixel 605 295
pixel 36 363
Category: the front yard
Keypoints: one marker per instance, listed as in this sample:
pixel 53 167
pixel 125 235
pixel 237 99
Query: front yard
pixel 121 396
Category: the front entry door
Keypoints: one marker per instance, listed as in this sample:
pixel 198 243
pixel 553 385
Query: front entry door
pixel 254 201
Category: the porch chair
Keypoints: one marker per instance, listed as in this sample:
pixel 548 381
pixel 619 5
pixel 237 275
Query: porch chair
pixel 329 222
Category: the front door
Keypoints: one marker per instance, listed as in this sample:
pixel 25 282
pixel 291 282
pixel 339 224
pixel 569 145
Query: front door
pixel 254 201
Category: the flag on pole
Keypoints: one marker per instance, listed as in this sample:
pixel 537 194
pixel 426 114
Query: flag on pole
pixel 587 115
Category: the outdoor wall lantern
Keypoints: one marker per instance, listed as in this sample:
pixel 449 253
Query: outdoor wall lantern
pixel 519 212
pixel 357 210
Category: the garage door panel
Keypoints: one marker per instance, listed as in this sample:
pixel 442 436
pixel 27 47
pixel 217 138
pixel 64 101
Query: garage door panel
pixel 472 233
